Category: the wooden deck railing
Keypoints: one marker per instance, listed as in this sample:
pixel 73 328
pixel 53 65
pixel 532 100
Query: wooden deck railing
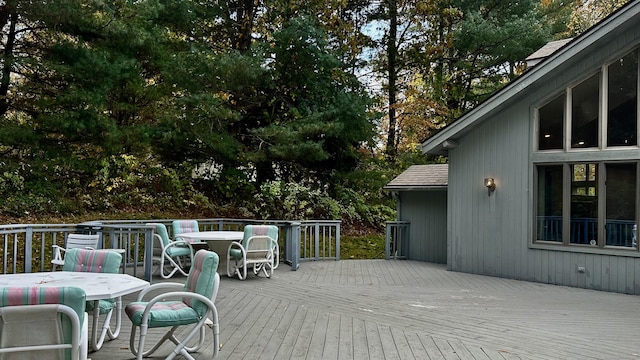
pixel 583 230
pixel 397 240
pixel 28 247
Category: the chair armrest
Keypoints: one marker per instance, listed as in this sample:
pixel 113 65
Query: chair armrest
pixel 179 243
pixel 235 244
pixel 168 286
pixel 56 257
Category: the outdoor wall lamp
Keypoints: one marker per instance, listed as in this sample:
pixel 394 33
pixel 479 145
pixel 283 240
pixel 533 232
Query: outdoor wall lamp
pixel 490 184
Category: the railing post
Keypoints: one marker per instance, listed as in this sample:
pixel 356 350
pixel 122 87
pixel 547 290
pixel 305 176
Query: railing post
pixel 28 258
pixel 316 244
pixel 292 245
pixel 337 241
pixel 148 253
pixel 387 241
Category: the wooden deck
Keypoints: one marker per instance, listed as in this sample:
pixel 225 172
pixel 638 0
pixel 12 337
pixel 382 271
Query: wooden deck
pixel 390 309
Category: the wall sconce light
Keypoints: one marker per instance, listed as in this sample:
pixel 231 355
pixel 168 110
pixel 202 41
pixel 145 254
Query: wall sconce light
pixel 449 144
pixel 490 184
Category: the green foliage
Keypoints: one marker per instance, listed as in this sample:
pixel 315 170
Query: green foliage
pixel 11 182
pixel 362 247
pixel 293 201
pixel 315 114
pixel 126 181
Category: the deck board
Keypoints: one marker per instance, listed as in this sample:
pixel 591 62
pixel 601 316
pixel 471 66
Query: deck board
pixel 378 309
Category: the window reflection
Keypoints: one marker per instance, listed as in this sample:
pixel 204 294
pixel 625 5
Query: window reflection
pixel 621 204
pixel 585 113
pixel 622 101
pixel 550 119
pixel 584 204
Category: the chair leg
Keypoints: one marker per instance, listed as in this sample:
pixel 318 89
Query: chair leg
pixel 138 350
pixel 242 271
pixel 176 267
pixel 84 341
pixel 180 348
pixel 114 334
pixel 98 340
pixel 236 269
pixel 229 265
pixel 201 339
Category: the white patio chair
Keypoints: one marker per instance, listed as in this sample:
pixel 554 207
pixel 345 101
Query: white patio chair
pixel 191 303
pixel 258 249
pixel 43 323
pixel 172 254
pixel 79 241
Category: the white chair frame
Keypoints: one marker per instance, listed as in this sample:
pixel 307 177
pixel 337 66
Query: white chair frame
pixel 259 253
pixel 176 264
pixel 176 291
pixel 79 339
pixel 83 241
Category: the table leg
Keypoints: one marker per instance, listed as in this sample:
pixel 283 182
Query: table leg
pixel 220 247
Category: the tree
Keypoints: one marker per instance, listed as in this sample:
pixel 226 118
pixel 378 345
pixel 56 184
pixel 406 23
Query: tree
pixel 450 56
pixel 587 13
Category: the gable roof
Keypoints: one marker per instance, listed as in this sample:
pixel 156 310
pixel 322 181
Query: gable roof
pixel 610 28
pixel 421 177
pixel 542 53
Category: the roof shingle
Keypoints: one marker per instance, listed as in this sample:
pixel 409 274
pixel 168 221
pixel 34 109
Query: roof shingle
pixel 434 176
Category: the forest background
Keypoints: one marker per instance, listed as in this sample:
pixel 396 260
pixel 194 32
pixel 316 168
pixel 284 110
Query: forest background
pixel 264 109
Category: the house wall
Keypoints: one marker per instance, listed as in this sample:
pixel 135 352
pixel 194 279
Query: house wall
pixel 492 235
pixel 426 210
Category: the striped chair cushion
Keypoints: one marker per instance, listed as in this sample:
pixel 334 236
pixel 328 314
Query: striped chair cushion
pixel 164 313
pixel 73 297
pixel 201 279
pixel 97 261
pixel 184 226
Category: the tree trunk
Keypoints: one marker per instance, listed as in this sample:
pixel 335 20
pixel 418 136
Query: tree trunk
pixel 5 81
pixel 391 71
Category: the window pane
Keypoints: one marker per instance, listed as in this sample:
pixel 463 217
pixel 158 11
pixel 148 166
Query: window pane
pixel 549 196
pixel 621 204
pixel 584 113
pixel 623 100
pixel 584 204
pixel 550 120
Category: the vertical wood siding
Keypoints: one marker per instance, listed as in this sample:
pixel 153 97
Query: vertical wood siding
pixel 491 235
pixel 426 210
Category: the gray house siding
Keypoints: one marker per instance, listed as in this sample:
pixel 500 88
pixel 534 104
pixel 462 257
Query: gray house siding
pixel 488 234
pixel 492 235
pixel 426 211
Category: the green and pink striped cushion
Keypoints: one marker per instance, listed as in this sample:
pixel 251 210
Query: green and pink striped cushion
pixel 184 226
pixel 85 260
pixel 73 297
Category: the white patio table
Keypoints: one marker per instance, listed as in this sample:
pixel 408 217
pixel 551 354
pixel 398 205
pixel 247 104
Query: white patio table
pixel 217 241
pixel 97 286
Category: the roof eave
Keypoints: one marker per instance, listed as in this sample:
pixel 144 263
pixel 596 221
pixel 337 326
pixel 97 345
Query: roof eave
pixel 415 188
